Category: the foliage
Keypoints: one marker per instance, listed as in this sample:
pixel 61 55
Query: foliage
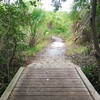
pixel 32 51
pixel 57 4
pixel 77 49
pixel 98 20
pixel 15 34
pixel 37 18
pixel 80 16
pixel 92 73
pixel 59 23
pixel 87 70
pixel 11 40
pixel 78 8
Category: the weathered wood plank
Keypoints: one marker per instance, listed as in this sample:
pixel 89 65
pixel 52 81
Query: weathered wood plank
pixel 28 78
pixel 52 93
pixel 49 80
pixel 32 70
pixel 49 72
pixel 59 81
pixel 50 85
pixel 51 98
pixel 50 75
pixel 37 89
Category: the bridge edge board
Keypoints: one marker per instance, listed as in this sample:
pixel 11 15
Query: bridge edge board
pixel 88 85
pixel 12 84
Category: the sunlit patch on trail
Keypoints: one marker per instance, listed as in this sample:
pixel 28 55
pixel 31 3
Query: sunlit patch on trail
pixel 57 44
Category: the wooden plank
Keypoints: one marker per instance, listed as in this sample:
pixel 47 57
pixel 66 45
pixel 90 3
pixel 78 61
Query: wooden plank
pixel 59 81
pixel 29 78
pixel 50 69
pixel 50 75
pixel 89 86
pixel 11 85
pixel 51 98
pixel 49 80
pixel 50 85
pixel 49 72
pixel 37 77
pixel 52 93
pixel 37 89
pixel 32 70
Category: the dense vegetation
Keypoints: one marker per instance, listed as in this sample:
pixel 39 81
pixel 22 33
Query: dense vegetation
pixel 24 30
pixel 86 34
pixel 17 34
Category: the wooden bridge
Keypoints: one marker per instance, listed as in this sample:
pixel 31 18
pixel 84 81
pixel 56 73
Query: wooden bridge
pixel 50 77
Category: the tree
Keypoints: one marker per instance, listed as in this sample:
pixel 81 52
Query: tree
pixel 12 38
pixel 57 4
pixel 94 35
pixel 92 6
pixel 36 20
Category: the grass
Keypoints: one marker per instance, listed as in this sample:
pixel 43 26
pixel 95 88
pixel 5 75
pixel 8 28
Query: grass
pixel 79 49
pixel 76 49
pixel 88 69
pixel 37 48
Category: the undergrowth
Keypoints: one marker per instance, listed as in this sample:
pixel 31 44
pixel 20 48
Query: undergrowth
pixel 37 48
pixel 92 74
pixel 83 55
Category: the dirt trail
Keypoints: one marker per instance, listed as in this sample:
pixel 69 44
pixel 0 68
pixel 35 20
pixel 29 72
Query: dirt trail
pixel 54 52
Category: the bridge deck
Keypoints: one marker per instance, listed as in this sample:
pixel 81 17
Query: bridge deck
pixel 50 84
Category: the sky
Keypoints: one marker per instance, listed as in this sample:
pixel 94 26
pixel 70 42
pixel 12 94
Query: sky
pixel 66 6
pixel 46 4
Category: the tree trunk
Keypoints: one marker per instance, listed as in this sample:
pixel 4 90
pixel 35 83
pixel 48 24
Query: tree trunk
pixel 98 1
pixel 94 35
